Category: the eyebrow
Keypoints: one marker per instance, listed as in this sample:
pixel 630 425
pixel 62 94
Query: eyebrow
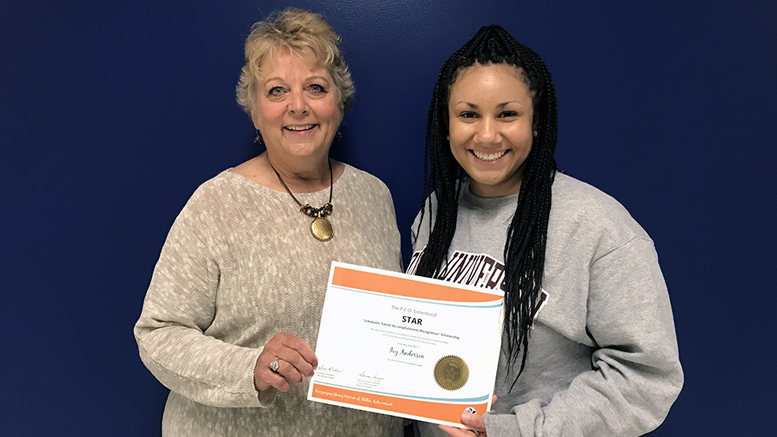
pixel 500 105
pixel 312 78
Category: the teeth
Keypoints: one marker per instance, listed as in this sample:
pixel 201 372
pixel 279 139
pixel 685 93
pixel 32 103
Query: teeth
pixel 489 156
pixel 300 128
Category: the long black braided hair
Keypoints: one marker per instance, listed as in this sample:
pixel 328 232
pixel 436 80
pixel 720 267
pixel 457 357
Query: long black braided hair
pixel 524 251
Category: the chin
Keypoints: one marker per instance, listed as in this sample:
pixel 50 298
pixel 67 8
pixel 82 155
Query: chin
pixel 303 150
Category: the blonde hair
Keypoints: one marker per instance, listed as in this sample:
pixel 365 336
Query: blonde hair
pixel 304 33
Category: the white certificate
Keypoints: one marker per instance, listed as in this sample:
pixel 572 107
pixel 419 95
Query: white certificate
pixel 406 345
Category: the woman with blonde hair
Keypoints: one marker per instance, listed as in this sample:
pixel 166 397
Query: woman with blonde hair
pixel 231 317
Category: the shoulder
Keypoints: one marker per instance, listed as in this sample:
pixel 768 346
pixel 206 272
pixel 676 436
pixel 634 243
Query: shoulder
pixel 200 218
pixel 355 175
pixel 584 209
pixel 360 182
pixel 215 192
pixel 223 198
pixel 576 193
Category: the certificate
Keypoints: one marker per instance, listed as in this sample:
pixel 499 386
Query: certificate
pixel 406 345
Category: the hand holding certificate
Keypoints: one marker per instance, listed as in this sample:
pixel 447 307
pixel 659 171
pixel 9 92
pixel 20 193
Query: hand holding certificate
pixel 407 346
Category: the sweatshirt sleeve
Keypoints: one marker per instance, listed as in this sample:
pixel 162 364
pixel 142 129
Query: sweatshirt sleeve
pixel 636 373
pixel 179 306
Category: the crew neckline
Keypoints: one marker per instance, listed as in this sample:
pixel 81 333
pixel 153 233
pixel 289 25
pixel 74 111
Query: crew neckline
pixel 248 182
pixel 476 201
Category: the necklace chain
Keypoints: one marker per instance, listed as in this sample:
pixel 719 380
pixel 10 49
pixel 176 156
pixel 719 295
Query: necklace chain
pixel 306 208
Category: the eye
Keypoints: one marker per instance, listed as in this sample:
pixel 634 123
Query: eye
pixel 316 88
pixel 468 114
pixel 275 91
pixel 508 114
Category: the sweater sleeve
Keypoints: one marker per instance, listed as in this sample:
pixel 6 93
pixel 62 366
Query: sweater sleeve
pixel 179 306
pixel 635 375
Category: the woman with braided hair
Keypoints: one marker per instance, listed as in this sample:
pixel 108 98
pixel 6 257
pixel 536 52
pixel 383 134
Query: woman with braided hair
pixel 589 347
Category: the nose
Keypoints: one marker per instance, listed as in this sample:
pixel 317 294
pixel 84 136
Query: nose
pixel 297 103
pixel 487 131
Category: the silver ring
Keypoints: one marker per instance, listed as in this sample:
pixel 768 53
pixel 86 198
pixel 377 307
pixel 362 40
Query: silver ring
pixel 274 366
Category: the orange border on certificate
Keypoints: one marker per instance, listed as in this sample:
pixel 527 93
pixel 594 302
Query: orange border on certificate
pixel 444 411
pixel 378 283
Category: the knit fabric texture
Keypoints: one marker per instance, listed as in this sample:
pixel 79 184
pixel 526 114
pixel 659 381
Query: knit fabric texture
pixel 238 266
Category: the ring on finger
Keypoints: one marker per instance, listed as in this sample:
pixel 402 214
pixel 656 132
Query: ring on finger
pixel 274 366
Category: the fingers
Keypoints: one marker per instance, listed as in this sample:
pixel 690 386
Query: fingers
pixel 288 371
pixel 294 352
pixel 458 432
pixel 292 349
pixel 295 359
pixel 265 378
pixel 473 421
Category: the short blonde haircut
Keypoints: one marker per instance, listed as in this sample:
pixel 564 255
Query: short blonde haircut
pixel 304 33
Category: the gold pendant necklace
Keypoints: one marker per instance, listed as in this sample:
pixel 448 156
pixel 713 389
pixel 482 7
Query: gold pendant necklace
pixel 321 228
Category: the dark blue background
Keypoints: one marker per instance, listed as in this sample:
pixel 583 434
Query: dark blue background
pixel 112 113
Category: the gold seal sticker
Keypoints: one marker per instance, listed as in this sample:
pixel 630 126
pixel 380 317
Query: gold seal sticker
pixel 451 372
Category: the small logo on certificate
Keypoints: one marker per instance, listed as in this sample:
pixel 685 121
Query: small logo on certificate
pixel 451 372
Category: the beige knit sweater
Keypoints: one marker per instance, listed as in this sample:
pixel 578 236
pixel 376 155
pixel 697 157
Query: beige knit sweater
pixel 238 266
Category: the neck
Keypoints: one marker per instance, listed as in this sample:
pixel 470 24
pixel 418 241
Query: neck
pixel 302 176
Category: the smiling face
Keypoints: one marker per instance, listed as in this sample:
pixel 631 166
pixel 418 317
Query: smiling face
pixel 490 130
pixel 297 109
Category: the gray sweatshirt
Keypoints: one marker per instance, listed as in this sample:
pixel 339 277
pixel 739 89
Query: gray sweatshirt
pixel 602 356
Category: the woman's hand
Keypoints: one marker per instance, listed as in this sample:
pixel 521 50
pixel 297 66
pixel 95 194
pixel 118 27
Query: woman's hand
pixel 295 359
pixel 471 420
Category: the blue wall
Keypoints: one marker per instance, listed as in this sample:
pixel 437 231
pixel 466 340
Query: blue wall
pixel 112 113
